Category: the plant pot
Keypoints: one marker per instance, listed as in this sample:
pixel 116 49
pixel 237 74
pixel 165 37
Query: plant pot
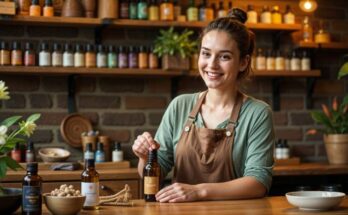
pixel 72 8
pixel 89 6
pixel 336 148
pixel 175 62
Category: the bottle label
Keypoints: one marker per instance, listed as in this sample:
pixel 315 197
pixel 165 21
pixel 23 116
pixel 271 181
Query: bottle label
pixel 192 14
pixel 99 157
pixel 89 155
pixel 117 156
pixel 151 185
pixel 29 157
pixel 252 17
pixel 31 199
pixel 91 191
pixel 101 60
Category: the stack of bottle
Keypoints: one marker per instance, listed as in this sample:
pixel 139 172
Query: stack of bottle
pixel 33 8
pixel 100 155
pixel 168 10
pixel 276 60
pixel 271 17
pixel 23 153
pixel 79 55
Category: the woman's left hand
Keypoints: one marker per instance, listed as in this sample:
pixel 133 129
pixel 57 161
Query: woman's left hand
pixel 178 192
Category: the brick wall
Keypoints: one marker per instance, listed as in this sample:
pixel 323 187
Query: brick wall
pixel 124 107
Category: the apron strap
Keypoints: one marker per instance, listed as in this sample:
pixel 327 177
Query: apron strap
pixel 232 123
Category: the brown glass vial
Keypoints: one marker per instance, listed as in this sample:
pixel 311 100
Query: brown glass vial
pixel 31 191
pixel 90 185
pixel 29 55
pixel 5 54
pixel 151 175
pixel 16 54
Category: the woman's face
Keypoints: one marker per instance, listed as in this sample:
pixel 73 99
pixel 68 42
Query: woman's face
pixel 219 62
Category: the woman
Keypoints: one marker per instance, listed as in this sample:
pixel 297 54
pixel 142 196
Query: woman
pixel 220 142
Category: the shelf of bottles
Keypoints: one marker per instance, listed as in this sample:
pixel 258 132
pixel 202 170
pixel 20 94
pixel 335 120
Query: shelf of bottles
pixel 275 73
pixel 143 14
pixel 329 45
pixel 38 70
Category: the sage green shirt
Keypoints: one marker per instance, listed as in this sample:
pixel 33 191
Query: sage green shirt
pixel 252 153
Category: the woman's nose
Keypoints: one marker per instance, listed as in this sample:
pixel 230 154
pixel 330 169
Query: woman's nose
pixel 213 62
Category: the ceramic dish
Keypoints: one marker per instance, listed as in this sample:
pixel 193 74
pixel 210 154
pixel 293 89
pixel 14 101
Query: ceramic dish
pixel 54 154
pixel 315 200
pixel 72 127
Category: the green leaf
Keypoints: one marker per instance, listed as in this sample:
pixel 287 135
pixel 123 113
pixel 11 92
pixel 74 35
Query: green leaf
pixel 321 118
pixel 10 121
pixel 343 70
pixel 3 167
pixel 34 117
pixel 12 164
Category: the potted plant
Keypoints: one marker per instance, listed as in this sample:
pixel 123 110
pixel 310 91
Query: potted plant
pixel 11 132
pixel 175 49
pixel 335 122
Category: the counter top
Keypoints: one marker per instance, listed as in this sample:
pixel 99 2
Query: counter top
pixel 310 169
pixel 127 173
pixel 271 205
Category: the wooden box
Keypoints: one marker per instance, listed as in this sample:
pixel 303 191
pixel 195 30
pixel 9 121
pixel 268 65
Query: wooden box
pixel 7 8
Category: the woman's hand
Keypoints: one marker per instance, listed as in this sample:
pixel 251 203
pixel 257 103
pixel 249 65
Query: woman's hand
pixel 143 144
pixel 178 192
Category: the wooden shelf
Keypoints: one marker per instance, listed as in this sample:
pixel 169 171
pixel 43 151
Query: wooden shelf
pixel 82 21
pixel 331 45
pixel 55 21
pixel 37 70
pixel 277 73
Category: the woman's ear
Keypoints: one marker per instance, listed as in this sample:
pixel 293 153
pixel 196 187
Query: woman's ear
pixel 244 62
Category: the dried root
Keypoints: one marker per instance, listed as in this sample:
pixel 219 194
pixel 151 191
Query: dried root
pixel 122 198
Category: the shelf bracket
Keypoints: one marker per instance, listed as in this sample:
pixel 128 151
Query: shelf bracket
pixel 174 87
pixel 276 94
pixel 71 94
pixel 309 92
pixel 99 30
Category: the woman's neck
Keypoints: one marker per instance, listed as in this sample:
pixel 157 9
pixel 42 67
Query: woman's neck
pixel 220 99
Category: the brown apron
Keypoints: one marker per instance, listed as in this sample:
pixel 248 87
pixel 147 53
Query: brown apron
pixel 205 155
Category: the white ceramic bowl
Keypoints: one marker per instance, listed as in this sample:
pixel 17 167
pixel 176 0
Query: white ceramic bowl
pixel 315 200
pixel 54 154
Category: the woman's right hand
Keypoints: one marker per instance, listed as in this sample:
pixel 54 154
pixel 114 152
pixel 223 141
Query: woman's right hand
pixel 143 144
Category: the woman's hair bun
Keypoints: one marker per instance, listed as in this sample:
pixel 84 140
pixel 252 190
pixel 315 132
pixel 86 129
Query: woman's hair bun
pixel 238 14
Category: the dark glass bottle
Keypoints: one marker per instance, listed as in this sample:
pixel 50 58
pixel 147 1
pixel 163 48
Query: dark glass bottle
pixel 100 154
pixel 151 177
pixel 32 189
pixel 30 153
pixel 90 185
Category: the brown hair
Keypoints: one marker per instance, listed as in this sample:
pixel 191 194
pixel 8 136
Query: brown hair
pixel 233 24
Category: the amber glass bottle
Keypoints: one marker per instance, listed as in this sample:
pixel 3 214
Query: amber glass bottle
pixel 151 176
pixel 32 188
pixel 90 185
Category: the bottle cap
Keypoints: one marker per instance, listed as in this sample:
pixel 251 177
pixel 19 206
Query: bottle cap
pixel 57 47
pixel 89 147
pixel 90 48
pixel 48 3
pixel 44 46
pixel 117 146
pixel 16 45
pixel 68 47
pixel 30 145
pixel 143 49
pixel 4 45
pixel 32 167
pixel 111 48
pixel 100 48
pixel 100 146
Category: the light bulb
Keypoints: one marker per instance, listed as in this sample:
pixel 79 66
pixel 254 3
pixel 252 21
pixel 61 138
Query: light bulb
pixel 308 5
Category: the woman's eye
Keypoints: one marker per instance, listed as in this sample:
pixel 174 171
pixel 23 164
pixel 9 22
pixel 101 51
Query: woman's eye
pixel 225 57
pixel 205 54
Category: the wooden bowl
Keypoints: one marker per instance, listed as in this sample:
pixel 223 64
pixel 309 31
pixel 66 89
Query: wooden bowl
pixel 63 205
pixel 54 154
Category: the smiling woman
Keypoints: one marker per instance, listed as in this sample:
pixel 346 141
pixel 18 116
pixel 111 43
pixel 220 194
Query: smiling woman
pixel 220 141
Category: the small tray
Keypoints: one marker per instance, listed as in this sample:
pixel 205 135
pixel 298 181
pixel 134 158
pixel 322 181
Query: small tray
pixel 72 127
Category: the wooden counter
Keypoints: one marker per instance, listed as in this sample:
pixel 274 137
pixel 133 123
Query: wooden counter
pixel 310 169
pixel 266 206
